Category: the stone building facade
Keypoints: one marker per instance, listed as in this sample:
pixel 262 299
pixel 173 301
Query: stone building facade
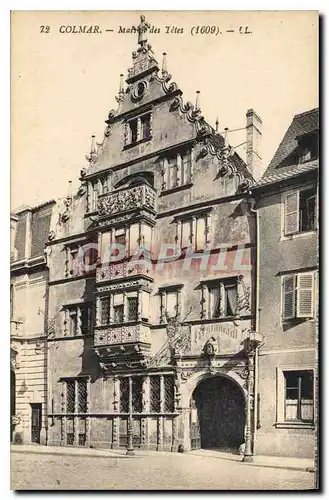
pixel 170 304
pixel 287 205
pixel 151 307
pixel 29 229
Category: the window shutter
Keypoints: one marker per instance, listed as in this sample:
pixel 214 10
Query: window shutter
pixel 288 306
pixel 291 213
pixel 305 295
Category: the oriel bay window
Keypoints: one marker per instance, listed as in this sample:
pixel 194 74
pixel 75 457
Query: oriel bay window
pixel 119 308
pixel 123 242
pixel 177 169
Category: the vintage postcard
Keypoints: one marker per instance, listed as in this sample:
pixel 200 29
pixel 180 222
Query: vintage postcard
pixel 164 250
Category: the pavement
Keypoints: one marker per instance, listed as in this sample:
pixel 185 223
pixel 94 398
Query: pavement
pixel 61 468
pixel 288 463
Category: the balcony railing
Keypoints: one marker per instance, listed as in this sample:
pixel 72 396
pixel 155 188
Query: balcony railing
pixel 122 334
pixel 119 270
pixel 127 199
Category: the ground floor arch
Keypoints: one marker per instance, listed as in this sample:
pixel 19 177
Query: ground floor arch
pixel 217 417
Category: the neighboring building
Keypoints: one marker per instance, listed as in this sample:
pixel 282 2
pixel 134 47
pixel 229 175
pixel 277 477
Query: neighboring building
pixel 168 343
pixel 287 205
pixel 29 229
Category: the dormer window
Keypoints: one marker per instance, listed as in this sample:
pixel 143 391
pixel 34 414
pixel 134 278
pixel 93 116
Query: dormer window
pixel 307 147
pixel 138 129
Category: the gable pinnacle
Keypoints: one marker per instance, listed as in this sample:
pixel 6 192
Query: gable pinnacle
pixel 164 65
pixel 142 29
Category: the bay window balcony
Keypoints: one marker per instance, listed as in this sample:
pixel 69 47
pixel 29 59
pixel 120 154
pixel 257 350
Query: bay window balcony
pixel 124 200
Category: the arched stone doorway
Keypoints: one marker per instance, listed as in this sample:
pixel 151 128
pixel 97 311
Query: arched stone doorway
pixel 217 414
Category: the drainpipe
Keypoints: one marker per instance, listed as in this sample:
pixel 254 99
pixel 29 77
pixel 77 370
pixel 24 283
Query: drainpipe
pixel 256 373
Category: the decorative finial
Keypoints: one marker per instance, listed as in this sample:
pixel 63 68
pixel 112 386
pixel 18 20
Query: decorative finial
pixel 119 97
pixel 142 31
pixel 93 144
pixel 226 137
pixel 92 156
pixel 164 64
pixel 121 85
pixel 197 101
pixel 217 125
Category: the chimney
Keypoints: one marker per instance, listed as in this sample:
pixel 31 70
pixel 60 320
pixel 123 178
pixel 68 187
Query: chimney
pixel 254 136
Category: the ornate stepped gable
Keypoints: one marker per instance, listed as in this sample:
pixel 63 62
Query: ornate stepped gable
pixel 146 86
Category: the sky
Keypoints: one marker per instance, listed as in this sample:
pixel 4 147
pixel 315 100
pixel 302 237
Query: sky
pixel 63 85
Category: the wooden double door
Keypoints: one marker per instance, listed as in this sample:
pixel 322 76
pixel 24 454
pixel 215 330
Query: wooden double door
pixel 217 415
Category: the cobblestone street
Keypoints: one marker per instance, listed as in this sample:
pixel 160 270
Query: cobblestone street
pixel 30 471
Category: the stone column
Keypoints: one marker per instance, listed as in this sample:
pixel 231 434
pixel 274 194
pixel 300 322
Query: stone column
pixel 139 305
pixel 162 307
pixel 179 169
pixel 248 452
pixel 192 165
pixel 125 304
pixel 145 409
pixel 98 311
pixel 184 435
pixel 116 409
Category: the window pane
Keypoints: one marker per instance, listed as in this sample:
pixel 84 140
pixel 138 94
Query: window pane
pixel 214 302
pixel 133 130
pixel 124 395
pixel 73 323
pixel 132 308
pixel 82 396
pixel 145 124
pixel 200 233
pixel 307 385
pixel 307 410
pixel 171 306
pixel 172 171
pixel 230 299
pixel 118 314
pixel 168 394
pixel 137 394
pixel 307 209
pixel 85 320
pixel 105 310
pixel 155 394
pixel 186 162
pixel 70 397
pixel 291 378
pixel 291 410
pixel 186 234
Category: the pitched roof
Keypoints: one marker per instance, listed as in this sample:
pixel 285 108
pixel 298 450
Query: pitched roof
pixel 279 167
pixel 293 171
